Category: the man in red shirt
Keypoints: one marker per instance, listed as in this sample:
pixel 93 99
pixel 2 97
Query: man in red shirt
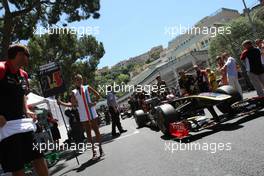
pixel 251 56
pixel 16 141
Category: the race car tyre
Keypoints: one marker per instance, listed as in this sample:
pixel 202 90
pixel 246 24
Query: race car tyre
pixel 225 107
pixel 141 118
pixel 165 115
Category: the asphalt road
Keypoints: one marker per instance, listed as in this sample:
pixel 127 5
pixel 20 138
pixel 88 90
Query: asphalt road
pixel 234 149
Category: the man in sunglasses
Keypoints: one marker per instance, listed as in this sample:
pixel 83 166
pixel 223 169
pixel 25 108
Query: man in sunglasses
pixel 16 120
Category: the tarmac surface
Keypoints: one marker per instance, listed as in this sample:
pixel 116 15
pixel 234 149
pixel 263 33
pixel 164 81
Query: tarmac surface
pixel 235 148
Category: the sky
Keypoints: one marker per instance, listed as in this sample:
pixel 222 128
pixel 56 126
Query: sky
pixel 129 28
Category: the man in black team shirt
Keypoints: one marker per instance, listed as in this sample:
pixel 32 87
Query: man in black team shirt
pixel 186 83
pixel 162 86
pixel 251 56
pixel 16 121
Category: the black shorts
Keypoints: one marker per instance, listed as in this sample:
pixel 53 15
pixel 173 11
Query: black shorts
pixel 17 150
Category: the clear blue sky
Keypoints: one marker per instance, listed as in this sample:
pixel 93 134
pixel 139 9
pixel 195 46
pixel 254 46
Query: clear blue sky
pixel 131 27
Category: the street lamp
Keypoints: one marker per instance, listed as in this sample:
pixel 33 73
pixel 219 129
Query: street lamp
pixel 247 11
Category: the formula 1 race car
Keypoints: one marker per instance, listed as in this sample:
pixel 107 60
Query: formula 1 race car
pixel 182 116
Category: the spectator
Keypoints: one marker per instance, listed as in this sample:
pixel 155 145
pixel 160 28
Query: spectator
pixel 186 83
pixel 132 103
pixel 251 57
pixel 220 64
pixel 260 46
pixel 231 71
pixel 202 80
pixel 212 79
pixel 162 86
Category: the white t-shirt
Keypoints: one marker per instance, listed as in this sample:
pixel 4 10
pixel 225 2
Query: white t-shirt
pixel 231 69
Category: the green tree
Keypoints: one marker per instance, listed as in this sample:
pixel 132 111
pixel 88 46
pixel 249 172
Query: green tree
pixel 155 55
pixel 148 61
pixel 20 17
pixel 240 31
pixel 122 78
pixel 83 55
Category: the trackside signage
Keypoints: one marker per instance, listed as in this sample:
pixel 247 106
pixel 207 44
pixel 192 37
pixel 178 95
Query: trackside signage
pixel 51 81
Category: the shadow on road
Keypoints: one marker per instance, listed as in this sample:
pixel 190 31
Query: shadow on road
pixel 87 164
pixel 217 128
pixel 57 168
pixel 79 169
pixel 106 138
pixel 69 155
